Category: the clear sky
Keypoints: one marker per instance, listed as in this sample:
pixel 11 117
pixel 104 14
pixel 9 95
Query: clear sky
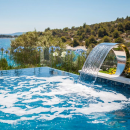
pixel 27 15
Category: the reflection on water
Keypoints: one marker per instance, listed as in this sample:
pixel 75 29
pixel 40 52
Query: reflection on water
pixel 50 99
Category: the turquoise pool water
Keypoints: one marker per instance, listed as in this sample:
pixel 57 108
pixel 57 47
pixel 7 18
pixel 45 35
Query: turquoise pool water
pixel 48 99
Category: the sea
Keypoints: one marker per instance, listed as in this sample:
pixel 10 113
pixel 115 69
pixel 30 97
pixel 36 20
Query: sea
pixel 6 44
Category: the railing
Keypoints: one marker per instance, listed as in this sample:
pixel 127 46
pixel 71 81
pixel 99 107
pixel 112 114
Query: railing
pixel 54 57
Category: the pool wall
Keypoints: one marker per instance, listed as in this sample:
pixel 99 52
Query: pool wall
pixel 112 80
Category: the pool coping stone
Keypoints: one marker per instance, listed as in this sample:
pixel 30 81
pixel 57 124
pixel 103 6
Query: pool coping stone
pixel 113 78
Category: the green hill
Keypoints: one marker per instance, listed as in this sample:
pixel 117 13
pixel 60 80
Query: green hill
pixel 113 31
pixel 89 35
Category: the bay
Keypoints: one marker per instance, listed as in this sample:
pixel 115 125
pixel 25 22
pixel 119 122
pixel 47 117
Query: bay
pixel 5 43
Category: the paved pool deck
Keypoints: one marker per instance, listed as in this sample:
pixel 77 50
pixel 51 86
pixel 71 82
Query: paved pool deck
pixel 113 78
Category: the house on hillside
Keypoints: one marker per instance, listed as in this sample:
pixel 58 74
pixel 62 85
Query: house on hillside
pixel 127 40
pixel 98 40
pixel 72 39
pixel 123 35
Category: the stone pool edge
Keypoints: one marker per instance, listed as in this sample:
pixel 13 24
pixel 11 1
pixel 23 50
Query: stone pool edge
pixel 114 78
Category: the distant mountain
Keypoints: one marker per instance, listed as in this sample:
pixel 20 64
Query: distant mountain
pixel 17 33
pixel 13 34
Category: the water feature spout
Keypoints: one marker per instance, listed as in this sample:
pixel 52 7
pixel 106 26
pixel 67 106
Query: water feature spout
pixel 97 56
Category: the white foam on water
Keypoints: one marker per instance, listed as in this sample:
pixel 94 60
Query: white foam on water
pixel 31 100
pixel 61 94
pixel 18 120
pixel 53 101
pixel 20 112
pixel 99 107
pixel 9 121
pixel 8 100
pixel 51 117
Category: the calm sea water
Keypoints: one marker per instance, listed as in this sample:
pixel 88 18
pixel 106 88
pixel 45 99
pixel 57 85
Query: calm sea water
pixel 48 99
pixel 5 43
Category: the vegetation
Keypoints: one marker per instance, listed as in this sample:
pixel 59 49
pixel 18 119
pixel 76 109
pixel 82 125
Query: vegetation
pixel 106 39
pixel 114 31
pixel 109 71
pixel 116 34
pixel 66 60
pixel 95 33
pixel 119 40
pixel 3 64
pixel 29 48
pixel 127 72
pixel 26 49
pixel 54 57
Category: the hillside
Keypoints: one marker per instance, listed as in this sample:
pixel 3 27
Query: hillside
pixel 113 31
pixel 89 35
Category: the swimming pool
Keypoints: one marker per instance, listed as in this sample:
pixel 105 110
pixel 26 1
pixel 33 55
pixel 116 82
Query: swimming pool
pixel 46 98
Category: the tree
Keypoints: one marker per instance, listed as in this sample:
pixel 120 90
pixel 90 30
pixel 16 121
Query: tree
pixel 128 18
pixel 53 32
pixel 93 33
pixel 73 27
pixel 119 19
pixel 119 40
pixel 31 41
pixel 82 36
pixel 127 26
pixel 66 29
pixel 63 39
pixel 102 32
pixel 88 29
pixel 80 31
pixel 105 31
pixel 75 43
pixel 95 27
pixel 87 42
pixel 92 39
pixel 106 39
pixel 115 34
pixel 112 29
pixel 84 25
pixel 120 27
pixel 47 29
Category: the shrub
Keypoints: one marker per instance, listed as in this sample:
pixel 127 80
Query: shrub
pixel 119 40
pixel 25 48
pixel 120 27
pixel 106 39
pixel 115 34
pixel 75 43
pixel 92 39
pixel 127 72
pixel 3 64
pixel 127 25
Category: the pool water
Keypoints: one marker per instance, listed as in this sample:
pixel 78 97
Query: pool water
pixel 50 99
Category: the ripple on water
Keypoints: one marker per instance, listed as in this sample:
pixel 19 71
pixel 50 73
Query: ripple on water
pixel 39 101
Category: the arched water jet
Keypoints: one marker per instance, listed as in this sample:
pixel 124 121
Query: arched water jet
pixel 97 56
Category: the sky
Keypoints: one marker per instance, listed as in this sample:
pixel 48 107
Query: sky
pixel 28 15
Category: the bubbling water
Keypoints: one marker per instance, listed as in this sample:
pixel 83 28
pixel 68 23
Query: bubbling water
pixel 47 98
